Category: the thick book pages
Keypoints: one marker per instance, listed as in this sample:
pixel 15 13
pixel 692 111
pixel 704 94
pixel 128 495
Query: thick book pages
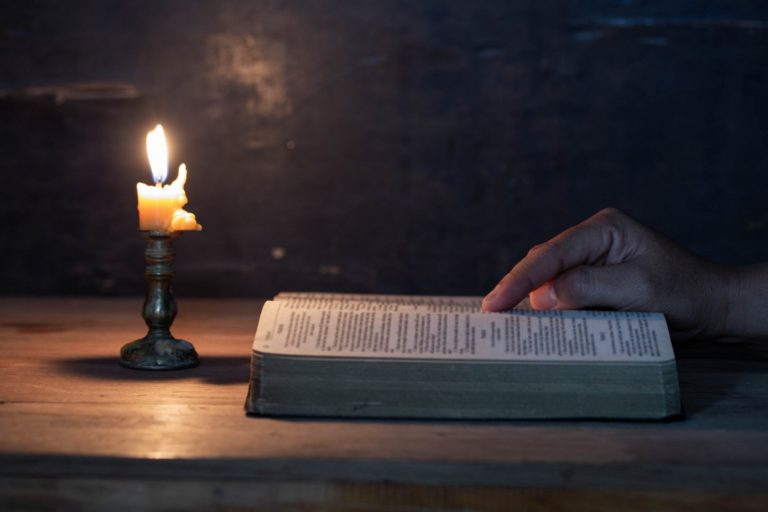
pixel 440 357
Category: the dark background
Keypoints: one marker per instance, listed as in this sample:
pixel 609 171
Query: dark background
pixel 413 146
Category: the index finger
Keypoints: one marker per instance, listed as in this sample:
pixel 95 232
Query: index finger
pixel 583 244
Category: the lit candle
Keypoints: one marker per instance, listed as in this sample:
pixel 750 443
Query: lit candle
pixel 161 206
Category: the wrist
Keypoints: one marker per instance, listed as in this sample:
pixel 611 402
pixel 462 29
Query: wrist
pixel 726 297
pixel 746 293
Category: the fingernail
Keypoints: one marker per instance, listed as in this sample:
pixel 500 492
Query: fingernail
pixel 552 296
pixel 544 297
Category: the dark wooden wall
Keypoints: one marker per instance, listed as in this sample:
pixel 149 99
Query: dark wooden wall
pixel 409 146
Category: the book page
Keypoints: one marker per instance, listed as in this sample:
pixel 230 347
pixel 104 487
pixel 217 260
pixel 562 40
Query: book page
pixel 342 300
pixel 400 331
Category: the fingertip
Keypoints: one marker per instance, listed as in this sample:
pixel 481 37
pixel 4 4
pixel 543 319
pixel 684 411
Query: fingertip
pixel 495 302
pixel 488 302
pixel 487 305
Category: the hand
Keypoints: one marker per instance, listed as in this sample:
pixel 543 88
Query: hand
pixel 612 261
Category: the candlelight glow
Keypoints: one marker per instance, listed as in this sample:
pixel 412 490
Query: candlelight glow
pixel 157 150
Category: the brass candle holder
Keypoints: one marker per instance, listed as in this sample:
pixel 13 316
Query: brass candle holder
pixel 159 350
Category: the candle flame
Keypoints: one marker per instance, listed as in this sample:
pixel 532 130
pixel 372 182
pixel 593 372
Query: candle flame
pixel 157 150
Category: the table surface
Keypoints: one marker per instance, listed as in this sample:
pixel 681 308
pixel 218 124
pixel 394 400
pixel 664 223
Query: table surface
pixel 71 416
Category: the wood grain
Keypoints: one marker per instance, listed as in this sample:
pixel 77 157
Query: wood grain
pixel 67 409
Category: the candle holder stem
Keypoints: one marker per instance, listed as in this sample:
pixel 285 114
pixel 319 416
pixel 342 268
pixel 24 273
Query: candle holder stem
pixel 159 350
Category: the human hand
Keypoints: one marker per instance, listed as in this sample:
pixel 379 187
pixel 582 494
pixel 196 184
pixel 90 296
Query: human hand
pixel 612 261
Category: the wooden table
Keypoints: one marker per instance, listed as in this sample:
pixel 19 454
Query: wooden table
pixel 78 432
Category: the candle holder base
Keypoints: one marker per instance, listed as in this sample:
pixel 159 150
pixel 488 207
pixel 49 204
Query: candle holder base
pixel 159 353
pixel 159 350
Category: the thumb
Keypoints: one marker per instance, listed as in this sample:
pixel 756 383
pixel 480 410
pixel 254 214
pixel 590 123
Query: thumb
pixel 614 286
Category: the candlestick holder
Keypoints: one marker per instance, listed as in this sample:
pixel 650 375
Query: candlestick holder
pixel 159 350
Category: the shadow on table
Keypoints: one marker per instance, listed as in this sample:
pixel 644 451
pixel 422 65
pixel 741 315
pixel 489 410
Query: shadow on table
pixel 213 369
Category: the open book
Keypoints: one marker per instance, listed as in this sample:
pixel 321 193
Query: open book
pixel 319 354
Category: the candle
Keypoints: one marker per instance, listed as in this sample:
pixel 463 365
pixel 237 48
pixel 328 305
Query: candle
pixel 161 207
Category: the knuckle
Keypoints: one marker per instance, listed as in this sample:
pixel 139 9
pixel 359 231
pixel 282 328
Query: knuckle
pixel 611 213
pixel 611 218
pixel 544 248
pixel 613 225
pixel 549 252
pixel 535 249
